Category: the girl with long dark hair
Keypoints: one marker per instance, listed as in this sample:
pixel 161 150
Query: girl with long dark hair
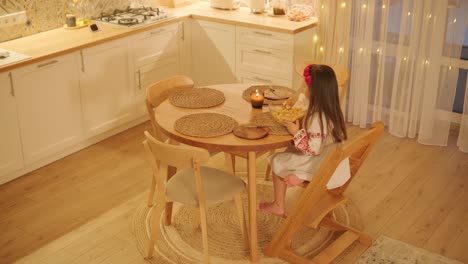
pixel 322 127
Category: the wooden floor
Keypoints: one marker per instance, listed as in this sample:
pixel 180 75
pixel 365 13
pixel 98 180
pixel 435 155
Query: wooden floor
pixel 79 209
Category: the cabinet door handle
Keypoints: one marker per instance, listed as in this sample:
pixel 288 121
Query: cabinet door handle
pixel 262 80
pixel 139 79
pixel 82 61
pixel 47 63
pixel 12 88
pixel 182 37
pixel 263 33
pixel 262 51
pixel 157 32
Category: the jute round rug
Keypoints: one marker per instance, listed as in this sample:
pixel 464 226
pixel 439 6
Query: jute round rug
pixel 181 242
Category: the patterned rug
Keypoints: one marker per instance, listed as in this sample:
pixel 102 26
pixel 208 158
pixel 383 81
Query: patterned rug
pixel 181 243
pixel 386 250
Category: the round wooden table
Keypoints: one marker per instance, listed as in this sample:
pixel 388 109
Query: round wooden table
pixel 236 107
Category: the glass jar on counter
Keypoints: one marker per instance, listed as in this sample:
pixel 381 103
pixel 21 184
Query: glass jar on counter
pixel 279 7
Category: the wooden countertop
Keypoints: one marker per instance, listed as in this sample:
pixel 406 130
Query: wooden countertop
pixel 46 45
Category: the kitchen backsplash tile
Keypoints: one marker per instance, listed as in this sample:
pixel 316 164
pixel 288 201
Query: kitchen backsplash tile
pixel 45 15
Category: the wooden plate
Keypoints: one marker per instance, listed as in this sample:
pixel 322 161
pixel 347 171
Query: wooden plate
pixel 250 132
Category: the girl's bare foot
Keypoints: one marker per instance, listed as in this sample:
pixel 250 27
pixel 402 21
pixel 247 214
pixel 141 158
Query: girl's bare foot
pixel 271 208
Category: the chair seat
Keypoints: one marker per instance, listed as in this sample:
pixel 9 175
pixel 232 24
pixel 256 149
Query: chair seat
pixel 218 186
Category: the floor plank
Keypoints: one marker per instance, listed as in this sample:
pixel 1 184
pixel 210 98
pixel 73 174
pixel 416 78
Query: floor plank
pixel 80 208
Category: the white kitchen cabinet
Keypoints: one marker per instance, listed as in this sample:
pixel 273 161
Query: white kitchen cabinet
pixel 155 56
pixel 255 78
pixel 154 45
pixel 49 107
pixel 106 86
pixel 266 56
pixel 151 73
pixel 213 52
pixel 265 61
pixel 11 156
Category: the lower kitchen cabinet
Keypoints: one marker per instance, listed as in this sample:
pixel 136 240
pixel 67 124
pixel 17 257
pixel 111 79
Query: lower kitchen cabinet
pixel 255 78
pixel 48 101
pixel 213 52
pixel 106 89
pixel 11 156
pixel 151 73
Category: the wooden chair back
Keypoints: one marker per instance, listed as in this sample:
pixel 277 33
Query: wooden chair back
pixel 162 156
pixel 316 202
pixel 160 91
pixel 178 156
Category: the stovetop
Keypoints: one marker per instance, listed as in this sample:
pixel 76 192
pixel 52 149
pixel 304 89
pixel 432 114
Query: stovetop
pixel 131 17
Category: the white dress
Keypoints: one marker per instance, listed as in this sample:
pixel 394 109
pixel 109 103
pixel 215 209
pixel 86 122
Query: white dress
pixel 310 148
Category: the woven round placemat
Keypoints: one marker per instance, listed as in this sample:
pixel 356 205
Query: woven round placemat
pixel 262 88
pixel 180 243
pixel 205 125
pixel 266 119
pixel 197 98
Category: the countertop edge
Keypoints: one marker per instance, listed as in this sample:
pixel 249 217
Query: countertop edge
pixel 134 31
pixel 90 44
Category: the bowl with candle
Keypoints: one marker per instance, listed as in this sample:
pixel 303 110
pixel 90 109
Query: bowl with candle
pixel 256 98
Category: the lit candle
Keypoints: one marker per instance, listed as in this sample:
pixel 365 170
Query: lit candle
pixel 256 98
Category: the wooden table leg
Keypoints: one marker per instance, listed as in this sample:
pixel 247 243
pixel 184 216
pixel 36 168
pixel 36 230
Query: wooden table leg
pixel 252 206
pixel 168 219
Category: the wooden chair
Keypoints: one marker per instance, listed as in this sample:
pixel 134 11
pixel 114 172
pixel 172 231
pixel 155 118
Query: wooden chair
pixel 160 91
pixel 155 95
pixel 193 185
pixel 316 202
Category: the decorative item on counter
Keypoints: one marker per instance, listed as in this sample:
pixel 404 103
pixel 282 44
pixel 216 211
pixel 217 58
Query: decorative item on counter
pixel 93 27
pixel 71 20
pixel 82 9
pixel 257 6
pixel 299 13
pixel 257 98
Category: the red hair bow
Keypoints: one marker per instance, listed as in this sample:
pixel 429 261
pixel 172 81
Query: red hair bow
pixel 307 77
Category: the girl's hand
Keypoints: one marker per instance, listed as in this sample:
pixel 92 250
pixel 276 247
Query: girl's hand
pixel 291 127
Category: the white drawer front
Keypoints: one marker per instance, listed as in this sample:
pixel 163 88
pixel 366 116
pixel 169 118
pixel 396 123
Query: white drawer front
pixel 265 38
pixel 264 61
pixel 254 78
pixel 155 44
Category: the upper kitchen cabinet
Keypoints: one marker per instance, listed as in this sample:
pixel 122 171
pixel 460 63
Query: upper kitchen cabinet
pixel 269 57
pixel 106 86
pixel 213 52
pixel 11 157
pixel 155 56
pixel 49 108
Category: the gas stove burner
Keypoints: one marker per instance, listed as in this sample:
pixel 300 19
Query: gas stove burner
pixel 130 17
pixel 108 19
pixel 146 13
pixel 128 21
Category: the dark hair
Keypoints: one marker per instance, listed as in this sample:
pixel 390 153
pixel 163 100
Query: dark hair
pixel 324 100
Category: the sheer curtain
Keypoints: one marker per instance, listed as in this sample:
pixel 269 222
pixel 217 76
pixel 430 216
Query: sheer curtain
pixel 404 61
